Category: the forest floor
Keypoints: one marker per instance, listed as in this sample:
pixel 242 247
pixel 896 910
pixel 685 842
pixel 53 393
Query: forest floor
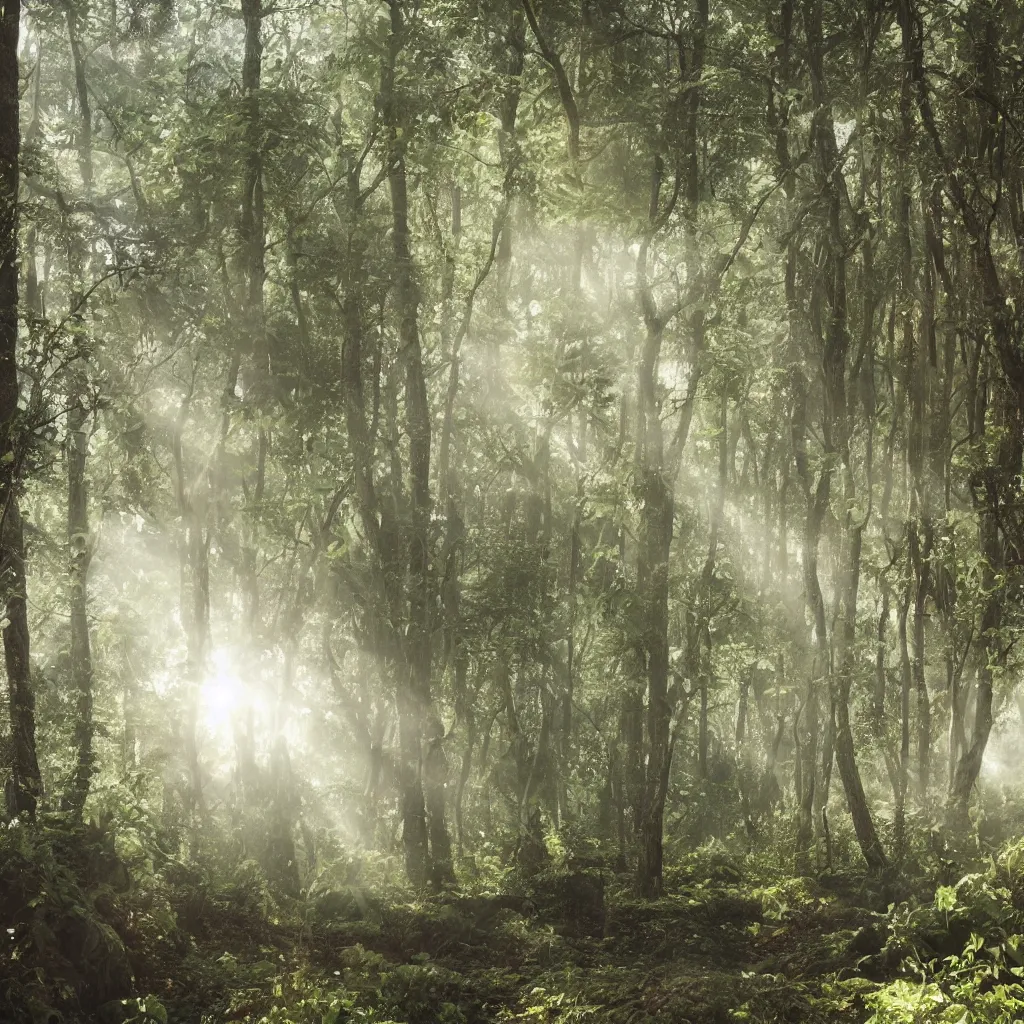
pixel 578 947
pixel 91 940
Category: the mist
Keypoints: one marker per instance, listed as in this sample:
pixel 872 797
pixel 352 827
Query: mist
pixel 511 511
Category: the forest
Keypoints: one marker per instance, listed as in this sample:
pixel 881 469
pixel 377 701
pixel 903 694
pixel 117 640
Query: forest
pixel 512 510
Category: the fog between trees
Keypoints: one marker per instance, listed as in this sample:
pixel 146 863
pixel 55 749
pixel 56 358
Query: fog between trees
pixel 485 440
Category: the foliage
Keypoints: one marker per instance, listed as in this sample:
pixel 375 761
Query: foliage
pixel 978 979
pixel 511 511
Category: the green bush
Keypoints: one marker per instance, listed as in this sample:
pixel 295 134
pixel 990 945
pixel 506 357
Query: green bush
pixel 964 949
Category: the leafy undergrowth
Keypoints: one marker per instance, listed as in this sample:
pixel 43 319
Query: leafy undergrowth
pixel 962 952
pixel 89 942
pixel 567 946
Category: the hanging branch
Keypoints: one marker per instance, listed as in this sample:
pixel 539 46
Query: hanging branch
pixel 565 90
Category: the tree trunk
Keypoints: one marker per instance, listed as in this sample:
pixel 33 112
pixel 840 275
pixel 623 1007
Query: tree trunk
pixel 653 550
pixel 834 344
pixel 76 455
pixel 906 683
pixel 460 789
pixel 657 466
pixel 280 857
pixel 418 717
pixel 652 583
pixel 417 640
pixel 194 601
pixel 79 556
pixel 24 787
pixel 863 823
pixel 992 650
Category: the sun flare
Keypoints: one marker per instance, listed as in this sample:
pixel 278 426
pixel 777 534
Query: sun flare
pixel 222 695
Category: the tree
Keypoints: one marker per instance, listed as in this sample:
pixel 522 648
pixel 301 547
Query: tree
pixel 24 787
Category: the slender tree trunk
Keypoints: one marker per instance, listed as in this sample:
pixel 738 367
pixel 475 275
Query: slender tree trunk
pixel 79 551
pixel 278 854
pixel 657 465
pixel 513 58
pixel 384 535
pixel 820 664
pixel 130 713
pixel 992 649
pixel 816 498
pixel 423 782
pixel 702 728
pixel 415 708
pixel 700 640
pixel 24 787
pixel 863 824
pixel 743 755
pixel 460 789
pixel 654 548
pixel 906 683
pixel 922 583
pixel 76 456
pixel 834 341
pixel 194 603
pixel 880 696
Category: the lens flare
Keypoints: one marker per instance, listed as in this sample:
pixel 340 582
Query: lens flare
pixel 222 694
